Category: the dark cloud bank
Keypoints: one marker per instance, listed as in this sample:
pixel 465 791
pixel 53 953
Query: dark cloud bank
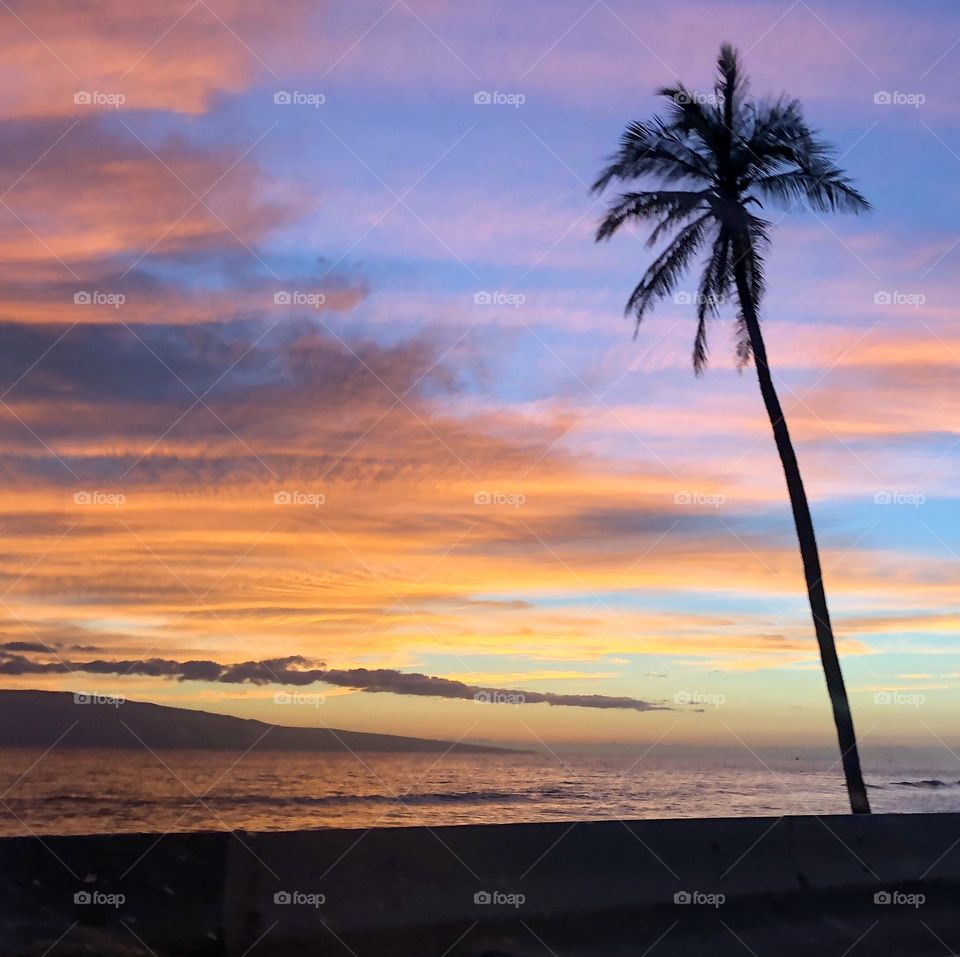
pixel 298 671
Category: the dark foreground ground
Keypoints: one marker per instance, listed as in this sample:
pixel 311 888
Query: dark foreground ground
pixel 889 884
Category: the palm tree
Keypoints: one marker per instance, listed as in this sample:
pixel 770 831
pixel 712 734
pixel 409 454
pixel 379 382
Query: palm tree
pixel 719 157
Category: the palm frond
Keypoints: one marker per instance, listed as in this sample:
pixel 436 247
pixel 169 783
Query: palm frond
pixel 753 263
pixel 672 207
pixel 742 346
pixel 646 150
pixel 715 282
pixel 758 240
pixel 662 276
pixel 701 354
pixel 772 125
pixel 690 116
pixel 731 79
pixel 824 189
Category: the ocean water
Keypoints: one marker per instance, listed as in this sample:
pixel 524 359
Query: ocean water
pixel 90 791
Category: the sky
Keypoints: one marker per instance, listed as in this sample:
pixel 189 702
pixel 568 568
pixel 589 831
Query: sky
pixel 309 353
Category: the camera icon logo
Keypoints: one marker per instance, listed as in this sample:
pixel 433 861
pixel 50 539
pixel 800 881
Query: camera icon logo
pixel 281 897
pixel 481 498
pixel 882 298
pixel 482 98
pixel 82 98
pixel 81 299
pixel 82 498
pixel 282 98
pixel 82 897
pixel 882 897
pixel 683 298
pixel 282 498
pixel 482 298
pixel 282 299
pixel 882 98
pixel 681 897
pixel 482 897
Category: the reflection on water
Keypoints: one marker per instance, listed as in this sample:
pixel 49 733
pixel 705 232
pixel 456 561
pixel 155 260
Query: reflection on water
pixel 82 792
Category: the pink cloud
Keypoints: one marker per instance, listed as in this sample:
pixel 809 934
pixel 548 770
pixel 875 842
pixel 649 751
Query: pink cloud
pixel 171 56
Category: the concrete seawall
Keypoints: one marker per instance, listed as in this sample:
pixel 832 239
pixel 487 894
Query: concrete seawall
pixel 885 884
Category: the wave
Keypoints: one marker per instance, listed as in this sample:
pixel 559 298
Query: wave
pixel 244 800
pixel 927 783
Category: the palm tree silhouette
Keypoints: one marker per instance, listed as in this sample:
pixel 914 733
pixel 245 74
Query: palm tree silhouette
pixel 719 157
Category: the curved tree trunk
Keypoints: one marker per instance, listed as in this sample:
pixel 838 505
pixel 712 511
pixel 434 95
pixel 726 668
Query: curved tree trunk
pixel 808 547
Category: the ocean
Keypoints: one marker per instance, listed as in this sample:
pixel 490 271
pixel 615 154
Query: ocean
pixel 91 791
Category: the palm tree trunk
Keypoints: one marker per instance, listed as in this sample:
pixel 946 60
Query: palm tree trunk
pixel 808 547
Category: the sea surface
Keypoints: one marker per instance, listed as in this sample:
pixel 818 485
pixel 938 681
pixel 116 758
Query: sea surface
pixel 91 791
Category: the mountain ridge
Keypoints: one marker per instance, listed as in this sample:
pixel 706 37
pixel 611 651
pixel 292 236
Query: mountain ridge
pixel 40 719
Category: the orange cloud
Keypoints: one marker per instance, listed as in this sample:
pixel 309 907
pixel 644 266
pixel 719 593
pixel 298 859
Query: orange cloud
pixel 173 56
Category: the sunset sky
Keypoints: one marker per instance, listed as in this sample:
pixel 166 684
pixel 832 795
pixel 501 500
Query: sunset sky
pixel 307 353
